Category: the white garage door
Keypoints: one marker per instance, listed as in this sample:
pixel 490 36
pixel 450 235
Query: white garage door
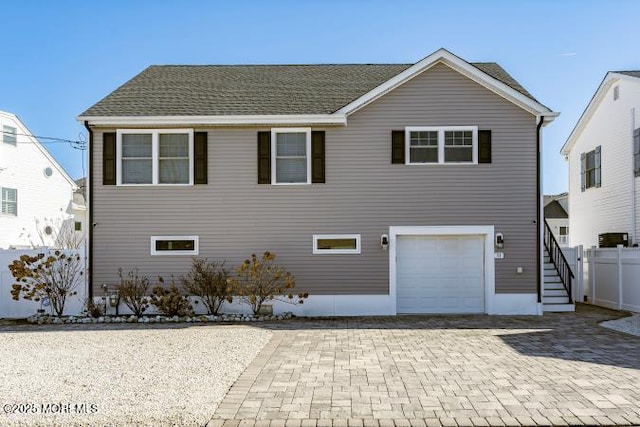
pixel 440 274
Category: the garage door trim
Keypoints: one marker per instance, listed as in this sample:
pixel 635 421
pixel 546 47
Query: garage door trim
pixel 487 231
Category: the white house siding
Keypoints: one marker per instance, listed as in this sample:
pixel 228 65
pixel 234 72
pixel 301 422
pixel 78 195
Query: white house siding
pixel 42 200
pixel 364 193
pixel 609 207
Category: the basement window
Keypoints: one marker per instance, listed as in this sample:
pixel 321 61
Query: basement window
pixel 174 245
pixel 336 244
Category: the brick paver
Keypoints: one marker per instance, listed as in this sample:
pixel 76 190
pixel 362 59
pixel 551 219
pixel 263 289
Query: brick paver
pixel 558 369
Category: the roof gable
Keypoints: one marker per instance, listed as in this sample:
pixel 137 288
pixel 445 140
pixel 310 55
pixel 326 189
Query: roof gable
pixel 609 80
pixel 245 94
pixel 555 210
pixel 24 132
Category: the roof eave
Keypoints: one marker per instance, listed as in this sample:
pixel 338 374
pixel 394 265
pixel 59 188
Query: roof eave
pixel 321 119
pixel 609 79
pixel 444 56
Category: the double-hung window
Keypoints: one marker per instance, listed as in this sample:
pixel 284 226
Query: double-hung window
pixel 590 169
pixel 155 157
pixel 9 135
pixel 441 145
pixel 291 156
pixel 9 201
pixel 636 152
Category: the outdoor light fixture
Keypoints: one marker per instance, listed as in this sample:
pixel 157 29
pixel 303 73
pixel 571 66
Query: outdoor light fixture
pixel 499 240
pixel 384 241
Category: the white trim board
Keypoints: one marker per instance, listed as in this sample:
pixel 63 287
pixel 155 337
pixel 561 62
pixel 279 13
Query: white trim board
pixel 489 264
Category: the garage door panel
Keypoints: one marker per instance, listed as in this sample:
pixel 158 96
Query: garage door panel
pixel 440 274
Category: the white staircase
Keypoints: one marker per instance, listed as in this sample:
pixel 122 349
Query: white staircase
pixel 554 295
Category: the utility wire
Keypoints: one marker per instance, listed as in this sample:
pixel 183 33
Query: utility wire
pixel 49 140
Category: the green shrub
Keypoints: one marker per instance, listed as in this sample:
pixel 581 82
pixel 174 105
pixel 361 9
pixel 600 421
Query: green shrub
pixel 170 301
pixel 260 280
pixel 209 281
pixel 133 290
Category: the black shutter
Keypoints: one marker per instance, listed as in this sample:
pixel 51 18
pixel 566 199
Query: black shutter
pixel 317 157
pixel 200 157
pixel 109 158
pixel 583 170
pixel 598 172
pixel 484 146
pixel 264 157
pixel 397 147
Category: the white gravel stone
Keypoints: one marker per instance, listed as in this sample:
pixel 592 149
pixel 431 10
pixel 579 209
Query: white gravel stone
pixel 630 325
pixel 135 375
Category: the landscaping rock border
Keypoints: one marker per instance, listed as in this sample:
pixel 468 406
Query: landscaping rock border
pixel 203 318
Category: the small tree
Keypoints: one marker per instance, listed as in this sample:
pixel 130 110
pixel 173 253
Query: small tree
pixel 54 276
pixel 170 301
pixel 261 280
pixel 208 280
pixel 134 290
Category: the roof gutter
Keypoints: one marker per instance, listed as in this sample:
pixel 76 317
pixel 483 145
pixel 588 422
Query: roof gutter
pixel 236 120
pixel 90 218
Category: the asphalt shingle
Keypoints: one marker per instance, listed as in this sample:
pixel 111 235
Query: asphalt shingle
pixel 219 90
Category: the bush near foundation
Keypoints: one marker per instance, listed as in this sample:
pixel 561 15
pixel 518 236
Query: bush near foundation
pixel 209 281
pixel 169 300
pixel 133 290
pixel 259 280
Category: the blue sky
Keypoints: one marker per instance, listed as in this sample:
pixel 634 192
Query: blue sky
pixel 59 58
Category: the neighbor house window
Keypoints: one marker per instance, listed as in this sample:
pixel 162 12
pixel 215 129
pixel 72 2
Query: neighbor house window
pixel 77 226
pixel 616 93
pixel 155 157
pixel 440 145
pixel 9 201
pixel 591 173
pixel 336 244
pixel 563 235
pixel 9 135
pixel 174 245
pixel 291 160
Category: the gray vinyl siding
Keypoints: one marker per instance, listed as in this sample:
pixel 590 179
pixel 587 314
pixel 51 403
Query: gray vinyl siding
pixel 364 193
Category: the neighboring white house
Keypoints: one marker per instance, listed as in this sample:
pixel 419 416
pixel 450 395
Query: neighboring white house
pixel 37 194
pixel 556 209
pixel 603 152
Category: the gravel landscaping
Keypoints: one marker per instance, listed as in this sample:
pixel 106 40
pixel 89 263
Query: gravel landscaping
pixel 629 325
pixel 121 374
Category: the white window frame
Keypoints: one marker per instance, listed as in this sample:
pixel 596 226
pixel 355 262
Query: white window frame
pixel 195 251
pixel 2 201
pixel 274 134
pixel 155 155
pixel 441 130
pixel 15 135
pixel 356 251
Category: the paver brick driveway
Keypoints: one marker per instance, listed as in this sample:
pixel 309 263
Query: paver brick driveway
pixel 558 369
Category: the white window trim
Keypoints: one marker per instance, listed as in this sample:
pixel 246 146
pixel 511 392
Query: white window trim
pixel 274 133
pixel 15 134
pixel 317 251
pixel 441 130
pixel 155 155
pixel 195 251
pixel 7 214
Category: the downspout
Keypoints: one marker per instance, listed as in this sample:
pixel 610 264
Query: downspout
pixel 539 220
pixel 90 210
pixel 633 180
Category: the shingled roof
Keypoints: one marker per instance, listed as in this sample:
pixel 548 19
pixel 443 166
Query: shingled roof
pixel 629 73
pixel 222 90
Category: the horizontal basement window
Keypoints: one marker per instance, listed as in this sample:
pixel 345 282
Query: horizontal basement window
pixel 174 245
pixel 336 244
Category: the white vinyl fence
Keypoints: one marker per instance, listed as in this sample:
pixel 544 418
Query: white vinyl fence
pixel 611 277
pixel 11 309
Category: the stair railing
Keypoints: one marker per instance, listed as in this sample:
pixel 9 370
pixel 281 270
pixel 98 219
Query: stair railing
pixel 558 260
